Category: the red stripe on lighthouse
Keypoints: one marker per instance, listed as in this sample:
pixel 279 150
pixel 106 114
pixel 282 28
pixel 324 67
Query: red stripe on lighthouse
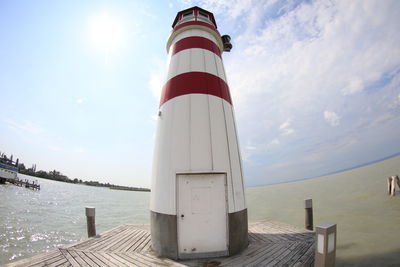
pixel 195 83
pixel 195 42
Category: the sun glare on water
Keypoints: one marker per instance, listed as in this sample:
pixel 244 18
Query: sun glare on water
pixel 105 32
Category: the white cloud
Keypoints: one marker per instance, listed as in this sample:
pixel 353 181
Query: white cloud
pixel 157 77
pixel 79 101
pixel 355 85
pixel 304 59
pixel 275 142
pixel 55 148
pixel 154 117
pixel 78 150
pixel 24 127
pixel 285 128
pixel 332 118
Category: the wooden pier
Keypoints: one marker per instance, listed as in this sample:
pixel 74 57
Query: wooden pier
pixel 271 244
pixel 24 183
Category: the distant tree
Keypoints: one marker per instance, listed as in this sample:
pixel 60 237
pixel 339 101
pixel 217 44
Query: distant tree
pixel 21 167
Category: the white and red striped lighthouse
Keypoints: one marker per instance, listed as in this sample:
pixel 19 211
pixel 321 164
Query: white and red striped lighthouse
pixel 197 201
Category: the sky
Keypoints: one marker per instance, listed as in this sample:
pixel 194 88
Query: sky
pixel 315 84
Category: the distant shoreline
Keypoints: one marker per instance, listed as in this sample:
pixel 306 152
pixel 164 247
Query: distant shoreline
pixel 334 172
pixel 129 189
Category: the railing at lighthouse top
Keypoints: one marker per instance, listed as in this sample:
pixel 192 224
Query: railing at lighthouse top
pixel 195 17
pixel 194 14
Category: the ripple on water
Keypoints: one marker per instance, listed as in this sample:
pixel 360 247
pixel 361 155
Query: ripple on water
pixel 33 222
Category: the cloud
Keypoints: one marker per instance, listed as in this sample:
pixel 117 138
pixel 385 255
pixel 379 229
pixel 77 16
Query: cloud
pixel 285 128
pixel 79 101
pixel 154 117
pixel 332 118
pixel 55 148
pixel 78 150
pixel 157 77
pixel 355 85
pixel 275 142
pixel 24 127
pixel 304 59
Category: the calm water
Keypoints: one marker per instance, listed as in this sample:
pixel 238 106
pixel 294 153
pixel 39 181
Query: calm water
pixel 368 220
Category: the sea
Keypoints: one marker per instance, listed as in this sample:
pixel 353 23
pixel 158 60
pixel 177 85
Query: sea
pixel 368 220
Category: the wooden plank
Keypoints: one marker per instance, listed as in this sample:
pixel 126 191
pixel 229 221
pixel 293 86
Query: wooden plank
pixel 122 259
pixel 94 240
pixel 47 257
pixel 105 259
pixel 104 244
pixel 35 259
pixel 66 264
pixel 114 260
pixel 51 261
pixel 269 234
pixel 84 257
pixel 247 259
pixel 62 262
pixel 76 257
pixel 70 259
pixel 93 258
pixel 132 257
pixel 291 229
pixel 153 261
pixel 307 258
pixel 129 236
pixel 271 243
pixel 138 242
pixel 296 255
pixel 132 239
pixel 247 253
pixel 255 261
pixel 279 233
pixel 147 245
pixel 144 243
pixel 282 256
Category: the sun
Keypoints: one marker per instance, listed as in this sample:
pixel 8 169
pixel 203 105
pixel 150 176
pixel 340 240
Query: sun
pixel 105 32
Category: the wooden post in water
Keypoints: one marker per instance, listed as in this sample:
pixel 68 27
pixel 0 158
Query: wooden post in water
pixel 308 220
pixel 389 185
pixel 90 219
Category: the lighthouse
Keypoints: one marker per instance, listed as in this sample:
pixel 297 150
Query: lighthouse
pixel 197 204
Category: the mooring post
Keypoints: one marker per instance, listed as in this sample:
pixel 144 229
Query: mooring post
pixel 389 185
pixel 325 254
pixel 90 219
pixel 308 221
pixel 393 187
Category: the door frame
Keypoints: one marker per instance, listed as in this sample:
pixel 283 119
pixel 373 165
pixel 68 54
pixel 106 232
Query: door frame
pixel 210 254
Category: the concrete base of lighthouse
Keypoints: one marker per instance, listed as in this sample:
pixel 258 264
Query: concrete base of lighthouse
pixel 164 235
pixel 238 231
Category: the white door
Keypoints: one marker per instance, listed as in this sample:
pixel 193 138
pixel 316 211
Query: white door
pixel 202 215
